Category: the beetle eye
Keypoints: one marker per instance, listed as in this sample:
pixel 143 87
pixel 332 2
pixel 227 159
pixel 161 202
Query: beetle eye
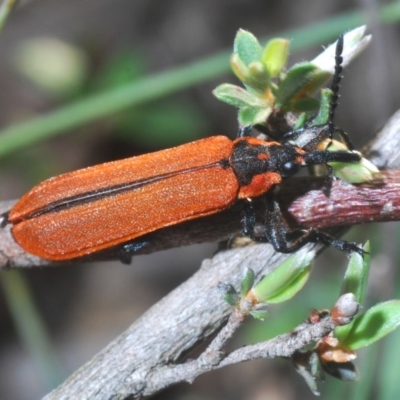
pixel 290 168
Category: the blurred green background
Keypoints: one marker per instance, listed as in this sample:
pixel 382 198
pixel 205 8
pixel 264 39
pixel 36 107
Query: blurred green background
pixel 85 82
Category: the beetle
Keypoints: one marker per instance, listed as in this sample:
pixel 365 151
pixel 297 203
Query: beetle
pixel 89 210
pixel 116 203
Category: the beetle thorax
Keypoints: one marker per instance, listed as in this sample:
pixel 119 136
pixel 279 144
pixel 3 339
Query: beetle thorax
pixel 252 157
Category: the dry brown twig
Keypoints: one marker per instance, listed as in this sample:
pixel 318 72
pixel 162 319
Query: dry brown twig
pixel 137 364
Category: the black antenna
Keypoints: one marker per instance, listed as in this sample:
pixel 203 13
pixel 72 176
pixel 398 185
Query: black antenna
pixel 337 77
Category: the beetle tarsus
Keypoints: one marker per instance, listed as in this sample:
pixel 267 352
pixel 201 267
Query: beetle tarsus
pixel 328 179
pixel 346 139
pixel 128 249
pixel 285 240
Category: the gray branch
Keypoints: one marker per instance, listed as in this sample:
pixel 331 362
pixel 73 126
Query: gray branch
pixel 281 346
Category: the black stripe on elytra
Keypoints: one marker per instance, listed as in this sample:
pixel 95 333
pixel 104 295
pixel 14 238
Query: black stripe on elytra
pixel 95 195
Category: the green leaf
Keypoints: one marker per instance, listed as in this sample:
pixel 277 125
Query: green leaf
pixel 373 325
pixel 258 76
pixel 356 276
pixel 253 75
pixel 355 281
pixel 304 105
pixel 323 113
pixel 247 47
pixel 286 279
pixel 247 282
pixel 253 115
pixel 275 55
pixel 300 121
pixel 295 80
pixel 237 96
pixel 261 314
pixel 360 172
pixel 319 79
pixel 293 288
pixel 230 294
pixel 239 68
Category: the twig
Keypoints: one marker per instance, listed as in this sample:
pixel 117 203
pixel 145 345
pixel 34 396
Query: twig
pixel 281 346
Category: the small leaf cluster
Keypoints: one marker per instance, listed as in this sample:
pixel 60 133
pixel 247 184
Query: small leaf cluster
pixel 279 285
pixel 269 88
pixel 272 95
pixel 374 323
pixel 333 354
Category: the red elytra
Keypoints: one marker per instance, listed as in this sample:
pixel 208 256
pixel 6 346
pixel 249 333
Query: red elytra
pixel 88 210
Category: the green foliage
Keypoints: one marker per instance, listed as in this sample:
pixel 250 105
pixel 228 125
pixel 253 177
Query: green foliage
pixel 360 172
pixel 281 284
pixel 231 296
pixel 275 55
pixel 271 89
pixel 332 355
pixel 260 313
pixel 247 282
pixel 246 46
pixel 373 325
pixel 286 280
pixel 297 83
pixel 237 96
pixel 323 113
pixel 356 277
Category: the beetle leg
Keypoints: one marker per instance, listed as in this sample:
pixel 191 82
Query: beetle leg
pixel 244 131
pixel 124 257
pixel 328 178
pixel 272 135
pixel 294 134
pixel 285 240
pixel 277 234
pixel 128 249
pixel 248 219
pixel 346 139
pixel 275 230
